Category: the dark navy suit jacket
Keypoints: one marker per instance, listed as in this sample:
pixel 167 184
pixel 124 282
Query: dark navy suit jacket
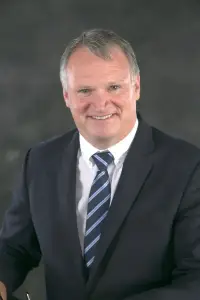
pixel 150 243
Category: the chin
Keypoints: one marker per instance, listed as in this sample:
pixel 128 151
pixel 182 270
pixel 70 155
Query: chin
pixel 103 135
pixel 104 140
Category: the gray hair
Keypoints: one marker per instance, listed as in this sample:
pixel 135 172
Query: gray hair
pixel 99 42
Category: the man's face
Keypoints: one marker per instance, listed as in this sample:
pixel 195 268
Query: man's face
pixel 101 95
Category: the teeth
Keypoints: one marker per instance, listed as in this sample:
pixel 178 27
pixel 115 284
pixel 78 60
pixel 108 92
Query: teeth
pixel 102 117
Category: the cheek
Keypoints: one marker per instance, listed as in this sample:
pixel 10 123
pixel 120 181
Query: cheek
pixel 77 104
pixel 80 108
pixel 122 100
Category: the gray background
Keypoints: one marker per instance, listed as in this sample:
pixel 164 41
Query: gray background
pixel 33 35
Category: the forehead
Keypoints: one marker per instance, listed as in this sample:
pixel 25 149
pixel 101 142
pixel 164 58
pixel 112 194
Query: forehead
pixel 84 67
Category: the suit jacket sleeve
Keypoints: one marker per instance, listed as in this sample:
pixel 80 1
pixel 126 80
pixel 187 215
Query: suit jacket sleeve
pixel 185 284
pixel 19 248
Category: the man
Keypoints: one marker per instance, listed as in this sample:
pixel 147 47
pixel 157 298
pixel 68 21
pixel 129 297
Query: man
pixel 114 206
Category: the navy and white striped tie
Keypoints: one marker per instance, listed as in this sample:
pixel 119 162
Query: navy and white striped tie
pixel 98 205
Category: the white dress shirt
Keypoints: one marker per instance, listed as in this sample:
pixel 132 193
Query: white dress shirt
pixel 86 172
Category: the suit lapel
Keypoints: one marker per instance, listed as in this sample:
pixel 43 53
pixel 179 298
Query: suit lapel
pixel 67 201
pixel 137 167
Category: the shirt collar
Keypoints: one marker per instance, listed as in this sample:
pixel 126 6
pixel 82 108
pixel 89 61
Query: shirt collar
pixel 118 150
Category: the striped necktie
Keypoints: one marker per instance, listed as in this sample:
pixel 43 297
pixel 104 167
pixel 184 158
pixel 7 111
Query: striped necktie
pixel 98 205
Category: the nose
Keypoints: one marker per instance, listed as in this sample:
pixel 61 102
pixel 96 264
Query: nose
pixel 100 101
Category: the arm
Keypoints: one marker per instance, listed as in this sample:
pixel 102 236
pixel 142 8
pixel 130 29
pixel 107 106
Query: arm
pixel 185 284
pixel 19 248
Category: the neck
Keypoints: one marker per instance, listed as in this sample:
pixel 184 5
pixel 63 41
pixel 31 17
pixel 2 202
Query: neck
pixel 103 144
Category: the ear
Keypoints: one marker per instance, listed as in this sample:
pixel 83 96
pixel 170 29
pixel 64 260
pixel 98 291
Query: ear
pixel 66 97
pixel 137 87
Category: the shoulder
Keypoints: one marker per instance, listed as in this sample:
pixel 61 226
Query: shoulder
pixel 52 148
pixel 175 148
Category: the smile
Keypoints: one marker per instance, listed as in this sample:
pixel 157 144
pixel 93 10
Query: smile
pixel 102 117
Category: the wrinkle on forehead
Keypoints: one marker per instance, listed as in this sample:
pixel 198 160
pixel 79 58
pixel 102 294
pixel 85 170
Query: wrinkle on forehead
pixel 84 67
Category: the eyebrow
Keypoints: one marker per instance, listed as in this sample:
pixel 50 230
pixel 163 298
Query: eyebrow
pixel 110 82
pixel 116 81
pixel 84 87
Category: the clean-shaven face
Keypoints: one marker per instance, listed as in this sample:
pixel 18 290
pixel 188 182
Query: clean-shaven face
pixel 101 95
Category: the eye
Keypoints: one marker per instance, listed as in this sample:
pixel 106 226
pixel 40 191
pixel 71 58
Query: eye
pixel 114 87
pixel 85 91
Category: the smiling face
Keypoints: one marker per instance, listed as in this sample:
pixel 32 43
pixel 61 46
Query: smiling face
pixel 101 95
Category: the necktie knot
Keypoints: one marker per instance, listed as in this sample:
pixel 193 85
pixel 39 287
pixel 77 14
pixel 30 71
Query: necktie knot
pixel 103 159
